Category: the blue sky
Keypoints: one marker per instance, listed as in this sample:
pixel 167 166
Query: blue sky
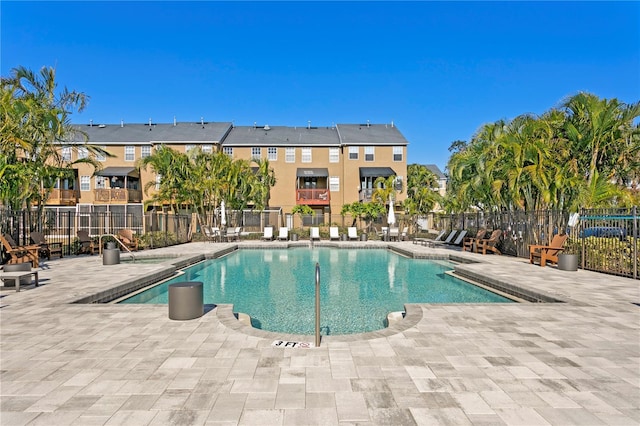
pixel 438 70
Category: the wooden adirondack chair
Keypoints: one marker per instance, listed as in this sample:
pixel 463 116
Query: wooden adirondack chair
pixel 543 254
pixel 470 242
pixel 128 238
pixel 46 249
pixel 490 243
pixel 19 254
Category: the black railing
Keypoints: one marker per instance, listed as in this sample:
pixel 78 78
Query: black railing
pixel 154 229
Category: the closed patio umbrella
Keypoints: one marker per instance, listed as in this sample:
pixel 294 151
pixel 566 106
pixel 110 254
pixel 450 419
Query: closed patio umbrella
pixel 391 218
pixel 223 215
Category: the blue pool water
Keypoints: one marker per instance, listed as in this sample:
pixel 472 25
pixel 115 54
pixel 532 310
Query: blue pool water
pixel 358 287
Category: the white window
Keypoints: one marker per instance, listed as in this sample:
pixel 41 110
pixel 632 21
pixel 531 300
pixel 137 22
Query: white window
pixel 306 155
pixel 158 180
pixel 290 155
pixel 101 182
pixel 334 155
pixel 334 183
pixel 256 152
pixel 83 152
pixel 188 147
pixel 354 152
pixel 129 153
pixel 145 151
pixel 85 183
pixel 369 153
pixel 397 153
pixel 272 153
pixel 228 150
pixel 207 149
pixel 100 157
pixel 66 153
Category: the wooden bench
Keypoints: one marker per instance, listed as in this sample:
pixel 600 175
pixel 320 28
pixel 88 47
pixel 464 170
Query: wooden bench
pixel 15 276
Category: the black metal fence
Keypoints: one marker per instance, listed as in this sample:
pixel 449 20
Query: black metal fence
pixel 153 229
pixel 607 240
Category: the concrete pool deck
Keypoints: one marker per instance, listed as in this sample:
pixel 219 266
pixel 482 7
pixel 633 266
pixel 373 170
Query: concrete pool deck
pixel 575 362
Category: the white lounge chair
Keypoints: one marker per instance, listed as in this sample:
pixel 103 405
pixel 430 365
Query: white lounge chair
pixel 334 233
pixel 352 232
pixel 314 233
pixel 283 234
pixel 268 233
pixel 459 238
pixel 233 234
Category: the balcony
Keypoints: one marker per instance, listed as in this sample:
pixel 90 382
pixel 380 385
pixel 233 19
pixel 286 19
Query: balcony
pixel 365 195
pixel 63 197
pixel 118 196
pixel 313 197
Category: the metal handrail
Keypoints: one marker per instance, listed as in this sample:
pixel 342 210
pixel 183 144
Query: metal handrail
pixel 119 242
pixel 317 305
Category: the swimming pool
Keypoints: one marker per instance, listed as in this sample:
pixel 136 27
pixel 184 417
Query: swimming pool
pixel 358 287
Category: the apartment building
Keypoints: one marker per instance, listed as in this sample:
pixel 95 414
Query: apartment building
pixel 322 167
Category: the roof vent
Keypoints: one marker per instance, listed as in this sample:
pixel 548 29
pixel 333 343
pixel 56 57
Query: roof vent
pixel 90 123
pixel 308 124
pixel 174 121
pixel 266 127
pixel 367 123
pixel 121 123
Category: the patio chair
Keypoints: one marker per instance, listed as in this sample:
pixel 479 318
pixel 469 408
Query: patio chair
pixel 128 238
pixel 470 242
pixel 314 233
pixel 384 230
pixel 394 233
pixel 211 234
pixel 268 233
pixel 404 234
pixel 490 243
pixel 334 233
pixel 352 232
pixel 19 254
pixel 45 249
pixel 543 254
pixel 283 234
pixel 87 245
pixel 233 234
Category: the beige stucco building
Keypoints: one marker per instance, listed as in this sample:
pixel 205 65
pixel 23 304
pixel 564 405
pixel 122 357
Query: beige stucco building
pixel 323 167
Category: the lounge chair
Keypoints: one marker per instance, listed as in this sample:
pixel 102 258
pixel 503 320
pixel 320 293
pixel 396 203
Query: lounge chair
pixel 128 238
pixel 449 238
pixel 46 249
pixel 19 254
pixel 428 241
pixel 490 243
pixel 268 233
pixel 314 233
pixel 334 233
pixel 352 232
pixel 283 235
pixel 470 242
pixel 459 238
pixel 543 254
pixel 404 234
pixel 87 245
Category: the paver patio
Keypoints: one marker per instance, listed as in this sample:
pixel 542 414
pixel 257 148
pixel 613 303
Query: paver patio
pixel 575 362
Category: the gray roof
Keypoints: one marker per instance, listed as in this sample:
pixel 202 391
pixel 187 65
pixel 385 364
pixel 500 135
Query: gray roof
pixel 435 170
pixel 181 132
pixel 119 171
pixel 376 171
pixel 281 136
pixel 370 134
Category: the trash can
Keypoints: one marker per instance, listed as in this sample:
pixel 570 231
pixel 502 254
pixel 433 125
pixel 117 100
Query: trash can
pixel 568 262
pixel 294 237
pixel 186 300
pixel 344 237
pixel 111 256
pixel 363 237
